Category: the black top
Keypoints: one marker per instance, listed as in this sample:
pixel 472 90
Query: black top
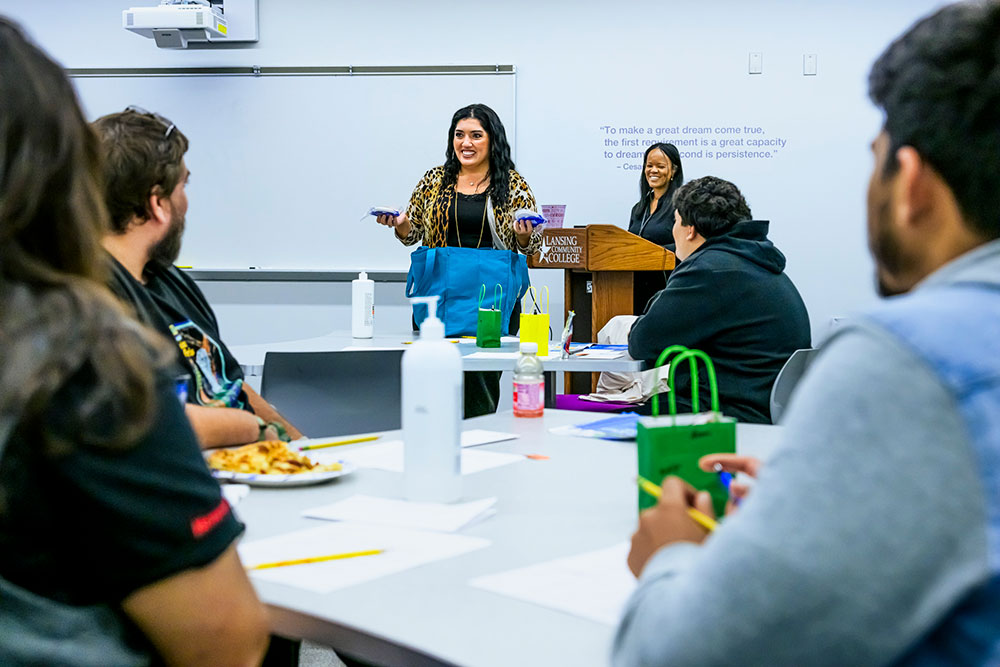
pixel 473 227
pixel 171 302
pixel 730 299
pixel 92 526
pixel 657 227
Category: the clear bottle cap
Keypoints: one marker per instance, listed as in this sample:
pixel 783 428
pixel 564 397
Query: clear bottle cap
pixel 529 348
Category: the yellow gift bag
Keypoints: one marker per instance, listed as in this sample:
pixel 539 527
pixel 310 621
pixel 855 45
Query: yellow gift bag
pixel 535 324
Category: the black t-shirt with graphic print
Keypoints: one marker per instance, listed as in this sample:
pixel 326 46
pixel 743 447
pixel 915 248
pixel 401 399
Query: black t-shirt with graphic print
pixel 171 302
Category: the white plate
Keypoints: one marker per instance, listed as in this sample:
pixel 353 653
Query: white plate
pixel 296 479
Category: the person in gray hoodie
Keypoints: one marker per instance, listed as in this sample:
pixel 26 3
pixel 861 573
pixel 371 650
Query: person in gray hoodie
pixel 728 297
pixel 872 536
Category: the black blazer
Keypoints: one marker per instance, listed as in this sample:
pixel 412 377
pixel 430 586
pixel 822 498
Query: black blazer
pixel 658 227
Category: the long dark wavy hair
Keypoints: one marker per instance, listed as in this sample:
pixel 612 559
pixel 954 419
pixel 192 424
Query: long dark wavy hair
pixel 57 320
pixel 674 155
pixel 500 160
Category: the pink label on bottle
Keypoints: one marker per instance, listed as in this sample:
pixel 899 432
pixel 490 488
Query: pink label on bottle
pixel 529 399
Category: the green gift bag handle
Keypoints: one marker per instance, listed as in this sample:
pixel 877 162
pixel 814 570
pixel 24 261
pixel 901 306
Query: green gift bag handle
pixel 713 386
pixel 660 360
pixel 691 356
pixel 482 295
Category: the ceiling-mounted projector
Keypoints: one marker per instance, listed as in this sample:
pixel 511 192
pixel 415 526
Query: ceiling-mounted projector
pixel 173 24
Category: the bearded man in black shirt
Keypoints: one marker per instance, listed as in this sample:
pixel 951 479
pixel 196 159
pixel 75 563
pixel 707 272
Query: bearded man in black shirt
pixel 145 178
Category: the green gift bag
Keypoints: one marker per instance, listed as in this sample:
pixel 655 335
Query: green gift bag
pixel 535 325
pixel 490 322
pixel 672 445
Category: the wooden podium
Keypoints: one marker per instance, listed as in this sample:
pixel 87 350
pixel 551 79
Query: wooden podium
pixel 600 262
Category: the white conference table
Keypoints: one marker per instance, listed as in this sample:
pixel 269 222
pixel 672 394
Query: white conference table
pixel 583 498
pixel 251 357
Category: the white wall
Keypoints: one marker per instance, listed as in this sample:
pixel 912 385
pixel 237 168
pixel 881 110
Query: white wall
pixel 581 66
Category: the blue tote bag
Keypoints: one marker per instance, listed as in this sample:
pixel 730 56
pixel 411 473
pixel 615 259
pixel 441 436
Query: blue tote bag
pixel 456 275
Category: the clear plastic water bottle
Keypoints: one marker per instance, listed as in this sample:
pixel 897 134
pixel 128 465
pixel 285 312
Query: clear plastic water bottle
pixel 529 383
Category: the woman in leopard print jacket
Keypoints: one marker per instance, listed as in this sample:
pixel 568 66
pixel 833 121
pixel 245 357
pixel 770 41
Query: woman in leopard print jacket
pixel 470 201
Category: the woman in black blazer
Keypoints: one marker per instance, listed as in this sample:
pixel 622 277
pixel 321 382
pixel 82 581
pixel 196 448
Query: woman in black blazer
pixel 652 217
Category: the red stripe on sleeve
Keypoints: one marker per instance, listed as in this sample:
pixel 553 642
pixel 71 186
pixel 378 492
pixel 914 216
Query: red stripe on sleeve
pixel 202 525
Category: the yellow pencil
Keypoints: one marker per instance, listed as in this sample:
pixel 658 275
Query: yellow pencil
pixel 702 519
pixel 316 559
pixel 338 443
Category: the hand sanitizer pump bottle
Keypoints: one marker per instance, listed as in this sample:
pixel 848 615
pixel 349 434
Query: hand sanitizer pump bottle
pixel 432 413
pixel 362 307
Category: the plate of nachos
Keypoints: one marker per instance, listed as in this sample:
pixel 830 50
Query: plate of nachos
pixel 272 463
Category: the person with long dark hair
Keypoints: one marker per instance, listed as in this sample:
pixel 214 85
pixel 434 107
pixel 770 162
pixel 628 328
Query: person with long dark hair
pixel 469 202
pixel 652 217
pixel 116 547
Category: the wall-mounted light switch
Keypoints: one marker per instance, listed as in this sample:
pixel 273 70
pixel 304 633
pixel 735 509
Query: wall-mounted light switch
pixel 809 64
pixel 756 62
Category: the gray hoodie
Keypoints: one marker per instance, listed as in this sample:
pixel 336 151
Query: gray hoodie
pixel 867 527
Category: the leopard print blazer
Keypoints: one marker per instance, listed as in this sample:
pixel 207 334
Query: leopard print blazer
pixel 432 199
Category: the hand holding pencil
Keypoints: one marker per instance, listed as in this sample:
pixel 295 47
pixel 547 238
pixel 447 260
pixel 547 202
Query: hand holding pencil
pixel 700 518
pixel 681 515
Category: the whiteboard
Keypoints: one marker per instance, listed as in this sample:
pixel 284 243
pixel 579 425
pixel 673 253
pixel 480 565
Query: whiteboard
pixel 283 168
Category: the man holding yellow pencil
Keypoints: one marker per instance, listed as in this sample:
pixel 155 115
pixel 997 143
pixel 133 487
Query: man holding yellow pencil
pixel 873 534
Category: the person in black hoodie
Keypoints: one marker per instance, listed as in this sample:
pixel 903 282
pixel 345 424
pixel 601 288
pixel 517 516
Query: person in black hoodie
pixel 728 297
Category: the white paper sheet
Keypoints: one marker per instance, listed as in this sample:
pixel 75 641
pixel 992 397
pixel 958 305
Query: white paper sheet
pixel 592 353
pixel 403 549
pixel 471 438
pixel 440 517
pixel 389 456
pixel 593 585
pixel 493 355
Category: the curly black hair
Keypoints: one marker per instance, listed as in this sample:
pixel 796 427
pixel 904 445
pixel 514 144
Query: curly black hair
pixel 939 86
pixel 711 204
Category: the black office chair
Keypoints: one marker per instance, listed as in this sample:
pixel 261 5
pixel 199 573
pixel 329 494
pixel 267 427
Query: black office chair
pixel 788 377
pixel 335 393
